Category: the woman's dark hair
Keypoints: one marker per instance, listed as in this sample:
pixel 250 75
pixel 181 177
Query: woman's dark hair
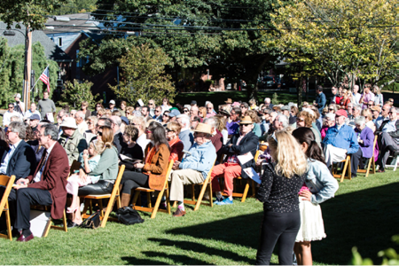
pixel 304 134
pixel 30 134
pixel 158 134
pixel 3 142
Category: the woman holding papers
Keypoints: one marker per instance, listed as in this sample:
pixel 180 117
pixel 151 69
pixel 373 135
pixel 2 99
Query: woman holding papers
pixel 281 182
pixel 319 186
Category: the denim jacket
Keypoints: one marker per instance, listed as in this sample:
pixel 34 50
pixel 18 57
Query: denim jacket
pixel 200 158
pixel 320 182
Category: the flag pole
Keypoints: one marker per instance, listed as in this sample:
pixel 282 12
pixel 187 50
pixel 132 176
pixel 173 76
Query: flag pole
pixel 39 77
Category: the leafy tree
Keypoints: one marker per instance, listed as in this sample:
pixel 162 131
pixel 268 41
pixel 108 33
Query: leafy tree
pixel 344 40
pixel 75 6
pixel 75 93
pixel 12 70
pixel 143 76
pixel 31 13
pixel 221 35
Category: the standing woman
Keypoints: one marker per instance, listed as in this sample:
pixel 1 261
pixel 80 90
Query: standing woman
pixel 319 186
pixel 281 182
pixel 84 108
pixel 153 170
pixel 123 108
pixel 379 98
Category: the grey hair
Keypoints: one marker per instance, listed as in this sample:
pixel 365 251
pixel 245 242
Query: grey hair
pixel 116 120
pixel 394 109
pixel 283 119
pixel 51 130
pixel 212 121
pixel 360 120
pixel 185 120
pixel 358 107
pixel 19 128
pixel 81 114
pixel 107 121
pixel 15 118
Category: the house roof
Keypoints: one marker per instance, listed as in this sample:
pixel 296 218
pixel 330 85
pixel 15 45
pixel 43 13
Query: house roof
pixel 71 23
pixel 51 50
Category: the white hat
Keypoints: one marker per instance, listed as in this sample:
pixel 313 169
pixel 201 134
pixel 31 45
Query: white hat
pixel 69 122
pixel 112 102
pixel 17 95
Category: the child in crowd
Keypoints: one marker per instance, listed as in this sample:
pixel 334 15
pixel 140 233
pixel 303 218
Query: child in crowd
pixel 319 186
pixel 89 159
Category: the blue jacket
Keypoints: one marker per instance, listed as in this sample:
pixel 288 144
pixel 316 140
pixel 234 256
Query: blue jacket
pixel 321 102
pixel 201 158
pixel 187 138
pixel 320 181
pixel 345 138
pixel 22 162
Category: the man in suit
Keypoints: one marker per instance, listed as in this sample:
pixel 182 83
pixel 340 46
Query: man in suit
pixel 244 142
pixel 20 158
pixel 45 187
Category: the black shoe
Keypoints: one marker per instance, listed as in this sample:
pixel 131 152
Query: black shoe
pixel 72 224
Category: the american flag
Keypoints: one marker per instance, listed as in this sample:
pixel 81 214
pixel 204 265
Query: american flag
pixel 45 77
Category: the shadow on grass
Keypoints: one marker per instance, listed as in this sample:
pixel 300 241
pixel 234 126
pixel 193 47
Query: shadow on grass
pixel 177 259
pixel 366 219
pixel 207 251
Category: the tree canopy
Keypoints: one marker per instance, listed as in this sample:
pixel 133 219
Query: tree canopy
pixel 344 40
pixel 222 36
pixel 143 76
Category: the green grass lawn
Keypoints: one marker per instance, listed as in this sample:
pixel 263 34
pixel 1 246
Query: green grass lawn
pixel 364 213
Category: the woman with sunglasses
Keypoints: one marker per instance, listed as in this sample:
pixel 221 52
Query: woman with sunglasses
pixel 153 170
pixel 165 118
pixel 176 146
pixel 307 118
pixel 91 133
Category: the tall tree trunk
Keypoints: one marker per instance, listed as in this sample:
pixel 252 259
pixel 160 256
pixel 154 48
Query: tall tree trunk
pixel 299 91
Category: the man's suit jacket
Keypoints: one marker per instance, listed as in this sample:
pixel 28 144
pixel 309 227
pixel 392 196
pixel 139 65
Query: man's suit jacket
pixel 249 143
pixel 22 162
pixel 118 142
pixel 54 179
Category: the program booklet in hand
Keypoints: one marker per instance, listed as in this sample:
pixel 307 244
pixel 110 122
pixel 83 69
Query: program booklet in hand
pixel 252 174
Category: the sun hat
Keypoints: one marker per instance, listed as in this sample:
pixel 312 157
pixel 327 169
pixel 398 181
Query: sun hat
pixel 246 120
pixel 229 100
pixel 69 122
pixel 17 95
pixel 203 128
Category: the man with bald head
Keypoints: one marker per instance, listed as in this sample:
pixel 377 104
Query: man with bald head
pixel 383 117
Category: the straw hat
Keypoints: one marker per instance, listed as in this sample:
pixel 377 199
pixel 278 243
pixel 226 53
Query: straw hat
pixel 203 128
pixel 246 120
pixel 69 122
pixel 229 100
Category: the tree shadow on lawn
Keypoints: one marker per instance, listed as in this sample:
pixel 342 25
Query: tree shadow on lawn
pixel 366 219
pixel 177 259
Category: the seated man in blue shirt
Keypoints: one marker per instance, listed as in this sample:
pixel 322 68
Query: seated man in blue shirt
pixel 19 160
pixel 388 138
pixel 340 140
pixel 194 167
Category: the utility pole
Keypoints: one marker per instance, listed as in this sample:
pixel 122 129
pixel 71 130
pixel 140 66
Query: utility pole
pixel 28 67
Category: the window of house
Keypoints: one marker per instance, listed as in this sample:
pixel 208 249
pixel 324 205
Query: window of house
pixel 60 42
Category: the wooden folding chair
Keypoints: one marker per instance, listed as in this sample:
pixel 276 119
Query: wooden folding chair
pixel 115 195
pixel 155 209
pixel 243 195
pixel 371 163
pixel 347 168
pixel 64 226
pixel 207 184
pixel 6 181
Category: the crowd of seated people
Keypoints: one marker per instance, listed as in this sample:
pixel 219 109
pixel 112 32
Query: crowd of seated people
pixel 202 141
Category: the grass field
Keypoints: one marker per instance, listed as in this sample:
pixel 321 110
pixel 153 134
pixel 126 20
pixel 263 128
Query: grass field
pixel 364 213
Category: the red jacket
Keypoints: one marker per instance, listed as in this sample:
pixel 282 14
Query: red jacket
pixel 54 179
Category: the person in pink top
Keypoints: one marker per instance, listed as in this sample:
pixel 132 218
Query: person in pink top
pixel 329 121
pixel 210 110
pixel 367 96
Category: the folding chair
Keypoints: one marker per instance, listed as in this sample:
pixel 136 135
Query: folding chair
pixel 64 226
pixel 155 209
pixel 243 195
pixel 4 207
pixel 394 162
pixel 347 167
pixel 207 184
pixel 115 195
pixel 371 163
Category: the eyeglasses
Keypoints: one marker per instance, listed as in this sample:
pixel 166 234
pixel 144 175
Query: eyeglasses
pixel 128 113
pixel 209 108
pixel 165 114
pixel 99 133
pixel 12 107
pixel 330 109
pixel 156 111
pixel 389 112
pixel 370 104
pixel 300 119
pixel 150 104
pixel 242 107
pixel 186 111
pixel 244 125
pixel 89 123
pixel 169 130
pixel 384 110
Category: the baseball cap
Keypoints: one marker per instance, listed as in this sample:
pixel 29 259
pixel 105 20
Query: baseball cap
pixel 174 113
pixel 341 112
pixel 34 117
pixel 112 102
